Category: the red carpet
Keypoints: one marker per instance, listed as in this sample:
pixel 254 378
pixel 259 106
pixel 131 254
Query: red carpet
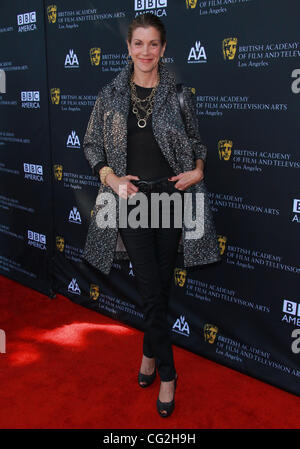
pixel 66 366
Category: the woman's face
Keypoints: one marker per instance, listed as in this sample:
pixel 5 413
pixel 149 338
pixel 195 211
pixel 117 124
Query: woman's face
pixel 145 49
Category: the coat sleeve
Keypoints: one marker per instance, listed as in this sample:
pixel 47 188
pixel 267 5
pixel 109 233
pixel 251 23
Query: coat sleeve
pixel 98 167
pixel 192 126
pixel 93 142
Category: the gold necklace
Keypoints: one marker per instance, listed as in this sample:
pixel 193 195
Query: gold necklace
pixel 137 103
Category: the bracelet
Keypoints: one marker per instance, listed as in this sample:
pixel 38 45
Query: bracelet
pixel 103 173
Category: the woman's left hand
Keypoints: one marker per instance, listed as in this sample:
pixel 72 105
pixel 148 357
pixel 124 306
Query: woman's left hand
pixel 187 178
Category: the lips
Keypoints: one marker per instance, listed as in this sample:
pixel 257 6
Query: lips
pixel 145 60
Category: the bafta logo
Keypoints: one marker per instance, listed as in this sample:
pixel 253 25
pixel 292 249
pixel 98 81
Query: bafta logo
pixel 180 276
pixel 55 95
pixel 210 333
pixel 94 292
pixel 60 243
pixel 229 48
pixel 58 172
pixel 224 149
pixel 193 90
pixel 52 13
pixel 95 55
pixel 191 4
pixel 222 243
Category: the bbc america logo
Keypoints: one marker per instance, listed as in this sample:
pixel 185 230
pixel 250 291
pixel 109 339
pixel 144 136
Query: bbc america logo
pixel 141 5
pixel 28 17
pixel 296 210
pixel 33 172
pixel 291 311
pixel 30 95
pixel 36 239
pixel 26 21
pixel 32 168
pixel 30 99
pixel 296 206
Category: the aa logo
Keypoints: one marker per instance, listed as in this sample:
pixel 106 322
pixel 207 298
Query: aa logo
pixel 95 55
pixel 229 48
pixel 179 277
pixel 210 333
pixel 73 287
pixel 197 53
pixel 73 140
pixel 58 172
pixel 191 4
pixel 71 60
pixel 222 243
pixel 181 326
pixel 55 95
pixel 130 268
pixel 60 243
pixel 52 13
pixel 94 292
pixel 225 149
pixel 295 84
pixel 2 342
pixel 74 216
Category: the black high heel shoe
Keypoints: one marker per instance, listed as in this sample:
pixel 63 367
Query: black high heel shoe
pixel 167 406
pixel 147 379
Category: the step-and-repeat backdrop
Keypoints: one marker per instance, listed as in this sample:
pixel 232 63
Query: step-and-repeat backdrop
pixel 242 58
pixel 26 213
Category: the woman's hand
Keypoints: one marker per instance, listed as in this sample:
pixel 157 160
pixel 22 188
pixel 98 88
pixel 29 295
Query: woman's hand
pixel 122 185
pixel 188 178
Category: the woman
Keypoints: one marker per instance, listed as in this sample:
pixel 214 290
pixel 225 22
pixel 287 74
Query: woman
pixel 137 140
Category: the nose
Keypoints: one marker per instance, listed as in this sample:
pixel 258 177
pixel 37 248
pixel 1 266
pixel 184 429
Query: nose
pixel 145 50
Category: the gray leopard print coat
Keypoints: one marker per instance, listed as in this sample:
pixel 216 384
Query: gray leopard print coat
pixel 106 141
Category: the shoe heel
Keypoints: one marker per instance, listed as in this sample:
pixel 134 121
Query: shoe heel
pixel 167 406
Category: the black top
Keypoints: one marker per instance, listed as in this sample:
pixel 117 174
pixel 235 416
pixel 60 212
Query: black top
pixel 144 157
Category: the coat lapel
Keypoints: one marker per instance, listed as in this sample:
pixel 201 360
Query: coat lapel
pixel 160 116
pixel 164 86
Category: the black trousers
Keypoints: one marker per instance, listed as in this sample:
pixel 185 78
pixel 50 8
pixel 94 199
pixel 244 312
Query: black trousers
pixel 153 252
